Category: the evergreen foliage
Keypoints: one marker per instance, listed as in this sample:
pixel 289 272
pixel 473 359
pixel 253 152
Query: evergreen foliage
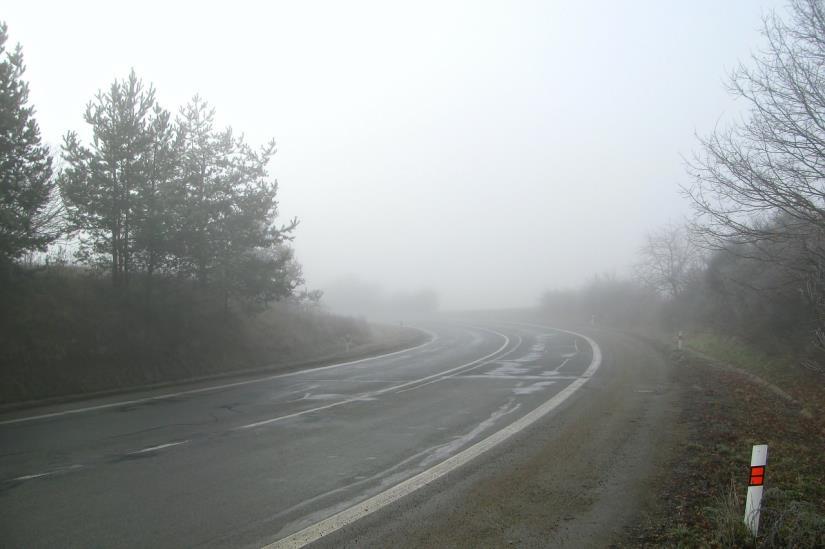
pixel 181 197
pixel 27 213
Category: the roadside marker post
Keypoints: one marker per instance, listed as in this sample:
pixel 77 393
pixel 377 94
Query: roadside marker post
pixel 759 459
pixel 680 340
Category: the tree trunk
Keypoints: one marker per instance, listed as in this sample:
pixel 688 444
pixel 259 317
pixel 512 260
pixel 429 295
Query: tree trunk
pixel 150 270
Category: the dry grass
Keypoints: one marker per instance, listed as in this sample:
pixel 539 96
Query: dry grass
pixel 726 512
pixel 63 332
pixel 723 414
pixel 781 369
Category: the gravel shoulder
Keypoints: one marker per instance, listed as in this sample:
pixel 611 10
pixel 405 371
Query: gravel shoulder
pixel 578 478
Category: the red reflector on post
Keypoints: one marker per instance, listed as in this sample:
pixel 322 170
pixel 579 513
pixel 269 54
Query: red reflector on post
pixel 757 475
pixel 753 503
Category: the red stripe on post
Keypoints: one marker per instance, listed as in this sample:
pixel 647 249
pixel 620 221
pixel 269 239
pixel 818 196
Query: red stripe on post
pixel 757 475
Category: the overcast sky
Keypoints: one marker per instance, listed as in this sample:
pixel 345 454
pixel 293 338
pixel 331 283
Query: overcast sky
pixel 489 151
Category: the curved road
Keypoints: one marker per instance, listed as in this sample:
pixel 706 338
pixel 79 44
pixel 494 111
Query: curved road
pixel 255 461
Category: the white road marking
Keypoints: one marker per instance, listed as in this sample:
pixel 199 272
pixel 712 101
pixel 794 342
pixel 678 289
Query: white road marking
pixel 325 396
pixel 348 516
pixel 562 365
pixel 372 394
pixel 156 448
pixel 385 476
pixel 508 353
pixel 543 377
pixel 532 388
pixel 47 473
pixel 443 451
pixel 433 338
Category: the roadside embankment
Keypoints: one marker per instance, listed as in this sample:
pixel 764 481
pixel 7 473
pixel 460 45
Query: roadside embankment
pixel 63 338
pixel 726 407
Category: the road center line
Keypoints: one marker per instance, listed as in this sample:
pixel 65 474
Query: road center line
pixel 562 365
pixel 373 394
pixel 472 367
pixel 47 473
pixel 156 448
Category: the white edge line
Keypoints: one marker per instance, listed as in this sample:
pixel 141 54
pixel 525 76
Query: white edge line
pixel 433 338
pixel 337 521
pixel 373 394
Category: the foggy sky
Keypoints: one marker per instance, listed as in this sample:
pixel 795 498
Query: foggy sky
pixel 489 151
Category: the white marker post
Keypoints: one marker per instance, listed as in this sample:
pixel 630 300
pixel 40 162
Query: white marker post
pixel 759 458
pixel 680 340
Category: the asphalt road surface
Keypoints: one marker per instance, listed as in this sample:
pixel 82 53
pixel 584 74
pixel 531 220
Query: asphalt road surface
pixel 250 462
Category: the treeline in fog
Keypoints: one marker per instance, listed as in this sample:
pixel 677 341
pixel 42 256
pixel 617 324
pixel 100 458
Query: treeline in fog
pixel 149 194
pixel 751 263
pixel 146 249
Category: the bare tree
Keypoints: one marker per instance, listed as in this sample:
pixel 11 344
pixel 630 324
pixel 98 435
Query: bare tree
pixel 759 186
pixel 763 180
pixel 668 259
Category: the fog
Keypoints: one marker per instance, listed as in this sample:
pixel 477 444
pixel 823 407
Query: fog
pixel 485 152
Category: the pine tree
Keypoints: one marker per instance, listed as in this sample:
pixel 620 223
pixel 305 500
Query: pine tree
pixel 265 274
pixel 108 187
pixel 27 212
pixel 157 194
pixel 200 149
pixel 229 209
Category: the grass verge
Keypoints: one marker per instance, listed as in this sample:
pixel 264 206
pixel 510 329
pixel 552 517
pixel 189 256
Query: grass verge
pixel 700 503
pixel 782 370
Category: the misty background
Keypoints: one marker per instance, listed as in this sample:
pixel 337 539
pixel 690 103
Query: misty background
pixel 474 153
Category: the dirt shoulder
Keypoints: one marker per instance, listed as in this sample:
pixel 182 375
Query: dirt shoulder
pixel 576 479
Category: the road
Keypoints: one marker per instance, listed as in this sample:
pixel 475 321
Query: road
pixel 250 462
